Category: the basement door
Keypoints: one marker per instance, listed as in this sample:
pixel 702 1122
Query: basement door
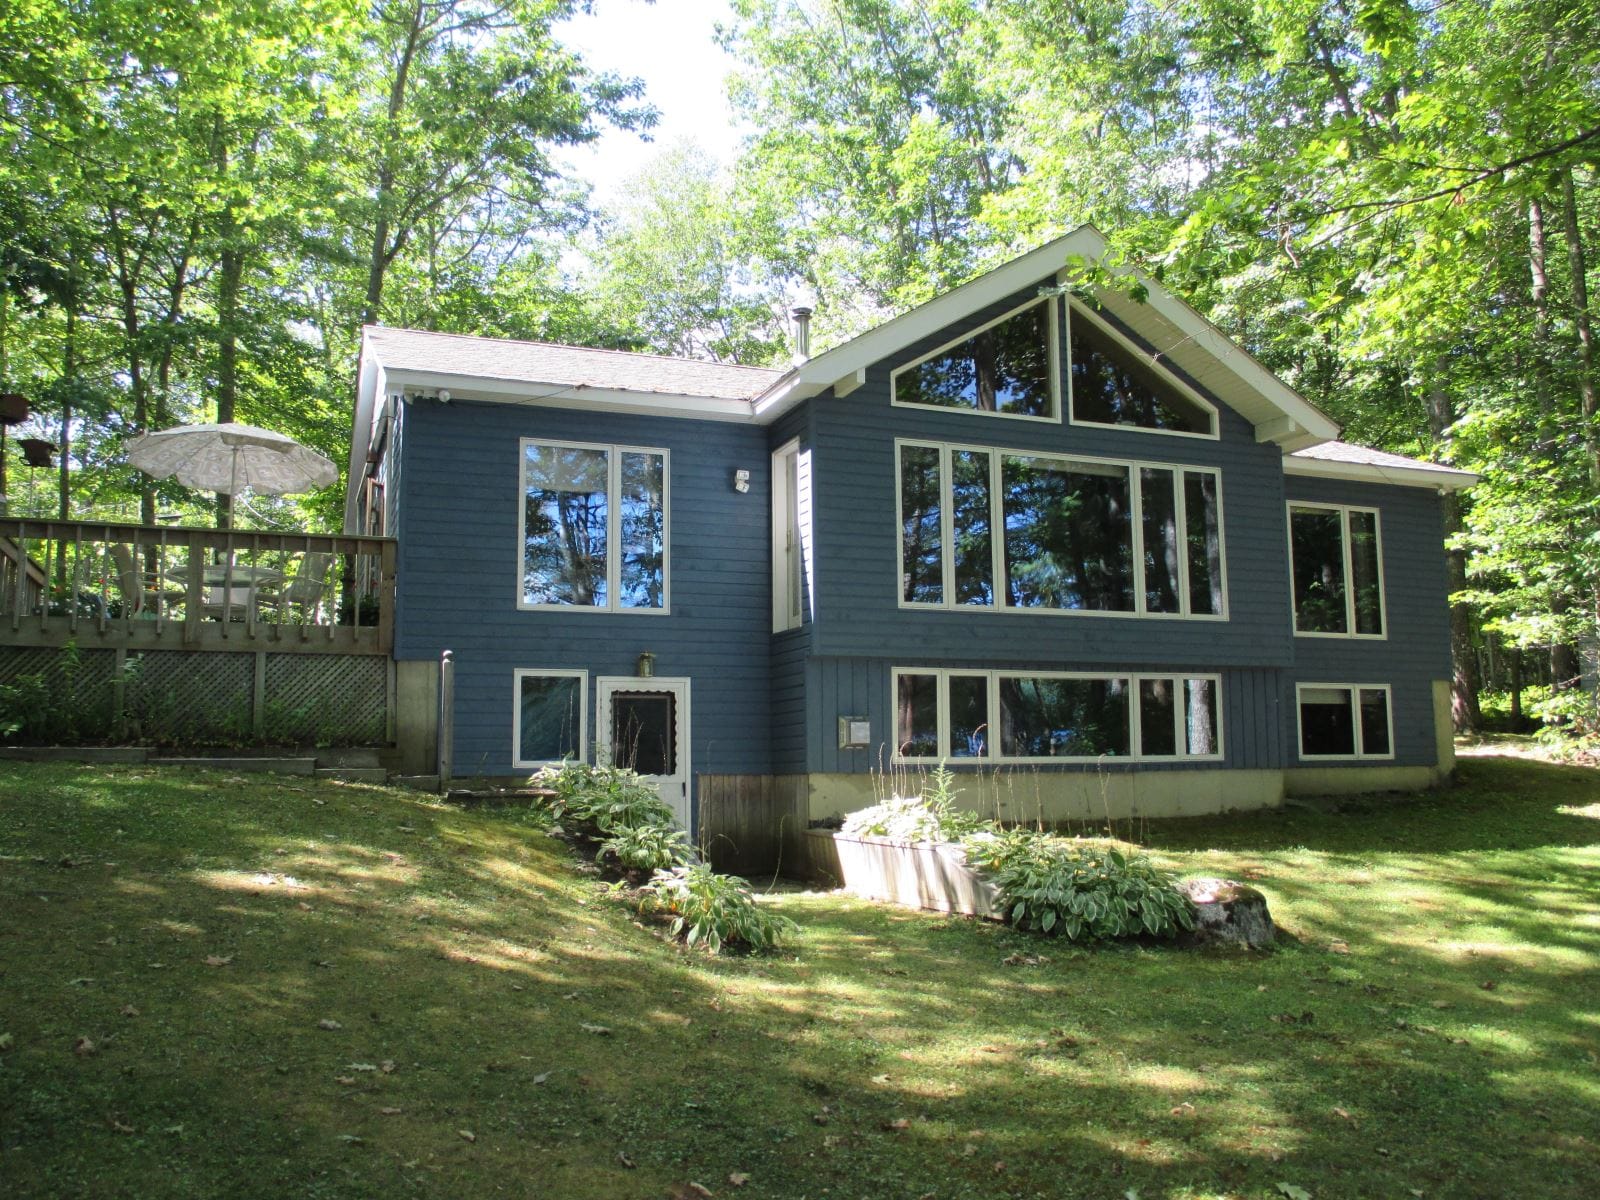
pixel 644 725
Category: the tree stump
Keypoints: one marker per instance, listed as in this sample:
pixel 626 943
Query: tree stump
pixel 1229 913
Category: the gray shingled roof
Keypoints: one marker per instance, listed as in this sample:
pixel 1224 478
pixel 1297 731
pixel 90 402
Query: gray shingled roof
pixel 567 366
pixel 1344 452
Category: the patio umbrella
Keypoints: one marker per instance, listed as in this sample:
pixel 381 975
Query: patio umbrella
pixel 231 459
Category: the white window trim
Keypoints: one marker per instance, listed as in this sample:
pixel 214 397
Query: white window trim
pixel 1135 726
pixel 517 676
pixel 1344 511
pixel 791 540
pixel 1354 690
pixel 1076 309
pixel 614 453
pixel 1052 359
pixel 997 550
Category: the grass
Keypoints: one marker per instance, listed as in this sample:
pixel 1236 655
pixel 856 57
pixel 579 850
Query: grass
pixel 196 928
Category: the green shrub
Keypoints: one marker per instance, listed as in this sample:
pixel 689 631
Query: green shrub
pixel 713 910
pixel 609 798
pixel 929 816
pixel 1078 889
pixel 640 833
pixel 647 847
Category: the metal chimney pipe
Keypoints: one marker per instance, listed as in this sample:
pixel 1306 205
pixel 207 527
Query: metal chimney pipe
pixel 802 331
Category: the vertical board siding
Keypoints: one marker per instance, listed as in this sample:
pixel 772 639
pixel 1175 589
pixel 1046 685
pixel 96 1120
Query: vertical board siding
pixel 1416 650
pixel 752 824
pixel 462 569
pixel 1251 731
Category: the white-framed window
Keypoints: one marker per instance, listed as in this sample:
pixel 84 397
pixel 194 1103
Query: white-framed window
pixel 1008 367
pixel 549 716
pixel 1054 716
pixel 1017 531
pixel 791 535
pixel 1336 560
pixel 1112 381
pixel 594 533
pixel 1344 720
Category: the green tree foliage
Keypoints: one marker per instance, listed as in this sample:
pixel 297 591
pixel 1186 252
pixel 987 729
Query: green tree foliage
pixel 202 203
pixel 672 270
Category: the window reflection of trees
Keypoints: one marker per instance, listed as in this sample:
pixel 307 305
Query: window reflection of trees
pixel 921 559
pixel 1004 369
pixel 567 518
pixel 1068 535
pixel 1063 718
pixel 1110 386
pixel 569 523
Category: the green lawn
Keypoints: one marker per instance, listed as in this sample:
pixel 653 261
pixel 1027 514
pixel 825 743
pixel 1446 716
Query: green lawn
pixel 170 944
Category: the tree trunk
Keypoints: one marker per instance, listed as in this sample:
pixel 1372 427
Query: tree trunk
pixel 1571 669
pixel 69 372
pixel 229 281
pixel 1464 682
pixel 1581 323
pixel 383 252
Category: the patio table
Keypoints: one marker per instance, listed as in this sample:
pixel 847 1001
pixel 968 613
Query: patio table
pixel 230 587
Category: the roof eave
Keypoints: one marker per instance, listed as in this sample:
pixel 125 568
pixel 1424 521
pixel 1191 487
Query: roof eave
pixel 1441 479
pixel 553 394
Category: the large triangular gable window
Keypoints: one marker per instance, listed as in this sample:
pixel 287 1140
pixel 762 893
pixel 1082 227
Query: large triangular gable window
pixel 1114 383
pixel 1006 368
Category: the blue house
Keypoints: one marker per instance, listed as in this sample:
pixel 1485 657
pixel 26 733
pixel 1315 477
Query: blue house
pixel 1079 546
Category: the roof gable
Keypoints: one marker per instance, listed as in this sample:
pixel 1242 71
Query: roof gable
pixel 1175 331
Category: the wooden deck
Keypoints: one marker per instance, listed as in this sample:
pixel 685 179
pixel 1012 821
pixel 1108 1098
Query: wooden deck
pixel 146 587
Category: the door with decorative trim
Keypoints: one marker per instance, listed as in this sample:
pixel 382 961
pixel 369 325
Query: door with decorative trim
pixel 644 725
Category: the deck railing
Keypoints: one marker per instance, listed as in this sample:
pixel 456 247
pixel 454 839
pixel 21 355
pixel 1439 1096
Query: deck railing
pixel 147 586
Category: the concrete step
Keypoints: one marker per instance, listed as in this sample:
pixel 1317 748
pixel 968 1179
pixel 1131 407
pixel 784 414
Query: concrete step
pixel 350 756
pixel 79 754
pixel 278 766
pixel 354 774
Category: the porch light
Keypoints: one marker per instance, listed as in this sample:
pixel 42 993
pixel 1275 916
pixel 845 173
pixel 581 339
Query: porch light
pixel 646 666
pixel 741 481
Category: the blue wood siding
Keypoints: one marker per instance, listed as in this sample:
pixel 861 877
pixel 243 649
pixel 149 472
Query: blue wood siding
pixel 862 631
pixel 858 600
pixel 460 568
pixel 1416 615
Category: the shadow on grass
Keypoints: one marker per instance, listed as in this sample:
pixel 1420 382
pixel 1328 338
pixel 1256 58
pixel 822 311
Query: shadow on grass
pixel 479 986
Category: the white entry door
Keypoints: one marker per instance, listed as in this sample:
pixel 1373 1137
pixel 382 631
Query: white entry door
pixel 644 725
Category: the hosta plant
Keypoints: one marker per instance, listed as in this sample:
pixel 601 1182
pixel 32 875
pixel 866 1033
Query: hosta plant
pixel 647 847
pixel 1078 889
pixel 713 910
pixel 609 798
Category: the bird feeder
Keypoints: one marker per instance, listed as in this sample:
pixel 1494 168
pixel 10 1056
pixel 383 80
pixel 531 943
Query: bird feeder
pixel 37 452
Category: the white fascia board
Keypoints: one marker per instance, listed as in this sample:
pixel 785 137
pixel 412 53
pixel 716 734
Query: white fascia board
pixel 816 375
pixel 369 385
pixel 1447 480
pixel 1316 424
pixel 574 396
pixel 1052 262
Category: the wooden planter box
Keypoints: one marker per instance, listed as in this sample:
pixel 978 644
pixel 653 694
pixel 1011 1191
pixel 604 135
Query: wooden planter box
pixel 931 875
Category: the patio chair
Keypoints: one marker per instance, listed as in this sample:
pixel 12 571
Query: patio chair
pixel 305 593
pixel 139 598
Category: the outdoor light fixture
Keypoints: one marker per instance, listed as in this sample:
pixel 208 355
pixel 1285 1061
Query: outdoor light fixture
pixel 646 666
pixel 741 481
